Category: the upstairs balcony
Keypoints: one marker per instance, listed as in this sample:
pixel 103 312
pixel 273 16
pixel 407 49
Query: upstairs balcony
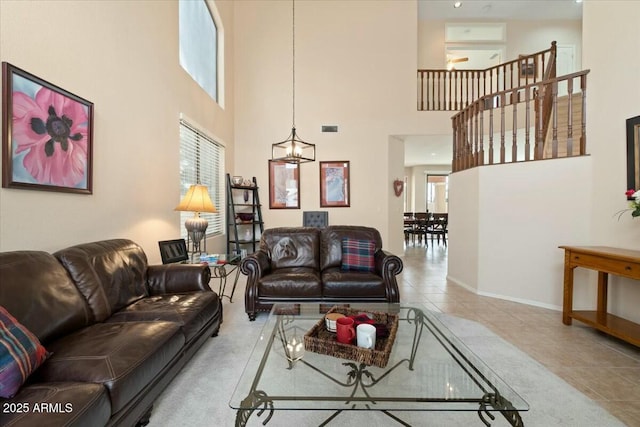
pixel 516 111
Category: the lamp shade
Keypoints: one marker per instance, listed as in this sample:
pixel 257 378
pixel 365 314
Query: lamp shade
pixel 196 200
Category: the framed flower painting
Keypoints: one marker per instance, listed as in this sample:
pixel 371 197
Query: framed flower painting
pixel 46 135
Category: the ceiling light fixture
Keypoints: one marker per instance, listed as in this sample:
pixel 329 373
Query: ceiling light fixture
pixel 293 149
pixel 457 4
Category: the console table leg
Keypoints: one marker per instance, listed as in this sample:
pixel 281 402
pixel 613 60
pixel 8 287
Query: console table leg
pixel 603 288
pixel 567 301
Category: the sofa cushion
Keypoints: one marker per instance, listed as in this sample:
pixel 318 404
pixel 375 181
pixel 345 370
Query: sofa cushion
pixel 358 255
pixel 339 284
pixel 111 274
pixel 125 357
pixel 38 292
pixel 293 283
pixel 59 404
pixel 292 247
pixel 193 310
pixel 20 354
pixel 331 242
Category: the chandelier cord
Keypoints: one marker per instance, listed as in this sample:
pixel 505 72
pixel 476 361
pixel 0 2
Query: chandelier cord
pixel 293 103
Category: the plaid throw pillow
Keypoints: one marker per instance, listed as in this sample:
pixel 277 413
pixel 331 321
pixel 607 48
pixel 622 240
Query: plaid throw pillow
pixel 20 354
pixel 358 255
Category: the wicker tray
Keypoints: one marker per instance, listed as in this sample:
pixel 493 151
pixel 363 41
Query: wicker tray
pixel 319 340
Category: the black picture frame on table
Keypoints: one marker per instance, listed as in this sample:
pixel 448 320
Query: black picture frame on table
pixel 172 251
pixel 47 135
pixel 633 154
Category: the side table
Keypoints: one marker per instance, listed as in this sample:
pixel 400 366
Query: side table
pixel 221 269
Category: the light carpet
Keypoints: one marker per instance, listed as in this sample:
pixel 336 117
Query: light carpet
pixel 200 394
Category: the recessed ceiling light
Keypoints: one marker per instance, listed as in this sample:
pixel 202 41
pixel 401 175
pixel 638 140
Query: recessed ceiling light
pixel 578 1
pixel 457 4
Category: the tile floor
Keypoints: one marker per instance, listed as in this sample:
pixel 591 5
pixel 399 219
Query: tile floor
pixel 602 367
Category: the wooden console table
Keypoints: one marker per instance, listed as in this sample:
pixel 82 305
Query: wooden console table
pixel 605 260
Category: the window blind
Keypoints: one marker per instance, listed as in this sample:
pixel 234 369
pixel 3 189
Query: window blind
pixel 202 162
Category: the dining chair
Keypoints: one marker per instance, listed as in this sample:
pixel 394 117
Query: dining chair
pixel 438 227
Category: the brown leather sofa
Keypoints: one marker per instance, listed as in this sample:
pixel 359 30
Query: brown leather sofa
pixel 118 330
pixel 304 264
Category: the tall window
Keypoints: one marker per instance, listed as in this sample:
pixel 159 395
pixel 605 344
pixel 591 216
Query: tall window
pixel 199 44
pixel 202 162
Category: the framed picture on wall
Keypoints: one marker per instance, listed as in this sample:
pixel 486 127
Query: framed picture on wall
pixel 284 185
pixel 527 67
pixel 633 154
pixel 46 135
pixel 334 184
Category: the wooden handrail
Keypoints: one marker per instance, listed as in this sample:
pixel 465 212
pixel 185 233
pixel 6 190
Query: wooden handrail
pixel 452 90
pixel 470 130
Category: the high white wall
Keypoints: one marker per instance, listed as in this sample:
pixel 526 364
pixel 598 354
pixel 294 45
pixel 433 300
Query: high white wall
pixel 355 68
pixel 123 57
pixel 611 33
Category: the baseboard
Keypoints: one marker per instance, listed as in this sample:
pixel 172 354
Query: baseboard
pixel 503 297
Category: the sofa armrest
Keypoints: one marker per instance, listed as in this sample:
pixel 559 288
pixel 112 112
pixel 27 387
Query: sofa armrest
pixel 175 278
pixel 388 266
pixel 254 266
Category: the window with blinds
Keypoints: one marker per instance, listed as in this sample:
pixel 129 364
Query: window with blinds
pixel 202 162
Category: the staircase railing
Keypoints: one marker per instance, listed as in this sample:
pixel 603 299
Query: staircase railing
pixel 521 111
pixel 452 90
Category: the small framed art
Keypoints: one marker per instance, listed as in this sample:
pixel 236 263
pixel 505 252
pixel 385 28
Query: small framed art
pixel 284 185
pixel 334 184
pixel 46 135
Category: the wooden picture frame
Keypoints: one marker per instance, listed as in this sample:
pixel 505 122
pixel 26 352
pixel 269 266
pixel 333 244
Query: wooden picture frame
pixel 334 184
pixel 633 154
pixel 284 185
pixel 527 67
pixel 47 135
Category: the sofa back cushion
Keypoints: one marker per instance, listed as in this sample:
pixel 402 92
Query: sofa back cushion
pixel 38 292
pixel 292 247
pixel 331 242
pixel 111 274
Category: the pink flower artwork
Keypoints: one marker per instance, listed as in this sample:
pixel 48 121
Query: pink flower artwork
pixel 52 130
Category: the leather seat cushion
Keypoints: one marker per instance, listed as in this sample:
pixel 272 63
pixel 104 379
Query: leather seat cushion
pixel 124 357
pixel 193 310
pixel 294 282
pixel 350 284
pixel 76 404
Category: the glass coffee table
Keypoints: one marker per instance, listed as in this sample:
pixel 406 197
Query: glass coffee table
pixel 429 369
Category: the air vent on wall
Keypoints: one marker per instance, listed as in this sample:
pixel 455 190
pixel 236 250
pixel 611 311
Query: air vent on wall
pixel 332 128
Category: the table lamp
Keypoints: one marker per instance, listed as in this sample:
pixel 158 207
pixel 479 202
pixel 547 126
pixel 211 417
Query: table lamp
pixel 196 200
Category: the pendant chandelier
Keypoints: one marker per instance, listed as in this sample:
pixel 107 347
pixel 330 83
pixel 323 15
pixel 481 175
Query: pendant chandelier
pixel 293 149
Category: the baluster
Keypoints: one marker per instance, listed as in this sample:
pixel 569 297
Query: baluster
pixel 481 131
pixel 502 148
pixel 539 128
pixel 570 118
pixel 449 90
pixel 421 82
pixel 474 107
pixel 432 98
pixel 514 145
pixel 554 109
pixel 527 120
pixel 491 132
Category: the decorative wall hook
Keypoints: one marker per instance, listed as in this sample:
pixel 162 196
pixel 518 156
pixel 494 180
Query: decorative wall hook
pixel 398 186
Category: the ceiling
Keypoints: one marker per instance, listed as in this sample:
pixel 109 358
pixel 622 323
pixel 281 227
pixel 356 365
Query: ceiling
pixel 436 149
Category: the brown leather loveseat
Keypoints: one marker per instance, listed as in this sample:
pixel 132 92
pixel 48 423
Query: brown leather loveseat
pixel 117 330
pixel 339 263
